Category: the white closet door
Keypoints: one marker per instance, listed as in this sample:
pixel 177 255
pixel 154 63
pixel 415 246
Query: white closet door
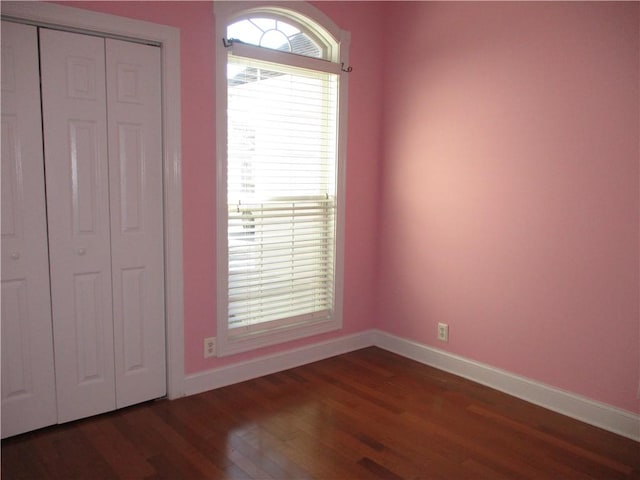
pixel 137 247
pixel 28 382
pixel 75 140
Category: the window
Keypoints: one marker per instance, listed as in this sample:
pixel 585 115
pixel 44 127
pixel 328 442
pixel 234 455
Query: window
pixel 280 174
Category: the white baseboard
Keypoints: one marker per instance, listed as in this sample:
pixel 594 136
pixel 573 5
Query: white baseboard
pixel 601 415
pixel 268 364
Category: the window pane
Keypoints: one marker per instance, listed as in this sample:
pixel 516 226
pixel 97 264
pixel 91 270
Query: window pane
pixel 246 31
pixel 264 24
pixel 281 192
pixel 281 128
pixel 287 29
pixel 275 40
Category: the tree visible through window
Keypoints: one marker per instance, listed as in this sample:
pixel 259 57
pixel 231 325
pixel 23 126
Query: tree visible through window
pixel 283 228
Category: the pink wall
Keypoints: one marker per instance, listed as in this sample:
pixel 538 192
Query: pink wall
pixel 510 188
pixel 497 191
pixel 197 36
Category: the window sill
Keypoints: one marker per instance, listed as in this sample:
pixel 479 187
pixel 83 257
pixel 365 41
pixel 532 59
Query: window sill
pixel 229 344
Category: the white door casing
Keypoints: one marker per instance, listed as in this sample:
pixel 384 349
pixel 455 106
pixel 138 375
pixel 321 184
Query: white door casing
pixel 95 222
pixel 135 170
pixel 169 40
pixel 28 382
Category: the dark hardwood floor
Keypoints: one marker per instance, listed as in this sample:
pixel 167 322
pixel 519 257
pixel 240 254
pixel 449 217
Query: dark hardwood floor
pixel 366 414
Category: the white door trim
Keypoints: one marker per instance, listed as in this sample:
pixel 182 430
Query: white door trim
pixel 169 39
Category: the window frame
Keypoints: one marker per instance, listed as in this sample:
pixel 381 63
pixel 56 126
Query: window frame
pixel 317 25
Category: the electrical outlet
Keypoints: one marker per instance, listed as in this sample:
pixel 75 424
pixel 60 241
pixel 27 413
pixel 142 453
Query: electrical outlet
pixel 209 347
pixel 443 332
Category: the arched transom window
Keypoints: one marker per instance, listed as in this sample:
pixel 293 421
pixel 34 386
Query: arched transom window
pixel 277 35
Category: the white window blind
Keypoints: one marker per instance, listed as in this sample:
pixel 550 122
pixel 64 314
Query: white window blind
pixel 281 194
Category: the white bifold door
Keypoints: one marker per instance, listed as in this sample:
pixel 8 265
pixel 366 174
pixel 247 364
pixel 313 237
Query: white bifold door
pixel 28 380
pixel 82 229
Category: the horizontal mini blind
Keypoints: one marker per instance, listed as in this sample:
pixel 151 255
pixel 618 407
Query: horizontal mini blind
pixel 281 190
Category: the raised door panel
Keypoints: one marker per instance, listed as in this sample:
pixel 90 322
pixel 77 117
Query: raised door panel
pixel 135 168
pixel 28 381
pixel 77 179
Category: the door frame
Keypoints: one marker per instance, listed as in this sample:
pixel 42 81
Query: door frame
pixel 168 38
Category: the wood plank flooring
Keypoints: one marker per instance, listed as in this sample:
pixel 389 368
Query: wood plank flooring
pixel 368 414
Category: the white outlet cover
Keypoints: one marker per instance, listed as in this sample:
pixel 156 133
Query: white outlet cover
pixel 209 347
pixel 443 332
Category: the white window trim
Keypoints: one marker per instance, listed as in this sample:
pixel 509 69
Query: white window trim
pixel 225 13
pixel 41 13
